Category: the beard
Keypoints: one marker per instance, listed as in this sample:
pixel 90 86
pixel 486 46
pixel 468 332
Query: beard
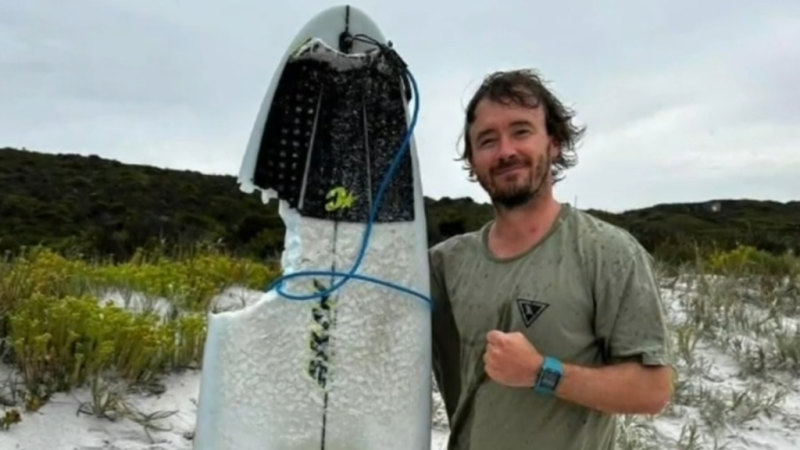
pixel 523 189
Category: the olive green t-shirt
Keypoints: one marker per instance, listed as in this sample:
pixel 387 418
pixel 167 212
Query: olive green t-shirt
pixel 586 294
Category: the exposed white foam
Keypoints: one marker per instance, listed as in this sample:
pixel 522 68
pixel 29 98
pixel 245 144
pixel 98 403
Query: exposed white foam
pixel 258 392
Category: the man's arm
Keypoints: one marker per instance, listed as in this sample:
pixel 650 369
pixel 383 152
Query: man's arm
pixel 624 388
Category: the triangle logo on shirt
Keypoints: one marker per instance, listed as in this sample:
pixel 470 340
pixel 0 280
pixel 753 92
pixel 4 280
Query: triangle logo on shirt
pixel 530 310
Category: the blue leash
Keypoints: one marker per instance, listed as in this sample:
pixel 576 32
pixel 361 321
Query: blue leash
pixel 351 274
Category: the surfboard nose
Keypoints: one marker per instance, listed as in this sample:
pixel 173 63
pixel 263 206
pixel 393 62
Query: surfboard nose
pixel 346 38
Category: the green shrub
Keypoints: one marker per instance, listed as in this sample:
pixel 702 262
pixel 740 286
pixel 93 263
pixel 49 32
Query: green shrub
pixel 746 260
pixel 39 270
pixel 60 342
pixel 189 283
pixel 61 336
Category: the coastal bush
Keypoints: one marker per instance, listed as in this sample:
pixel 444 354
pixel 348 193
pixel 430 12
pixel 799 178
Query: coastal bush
pixel 61 326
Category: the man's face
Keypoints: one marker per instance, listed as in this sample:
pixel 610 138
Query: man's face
pixel 511 151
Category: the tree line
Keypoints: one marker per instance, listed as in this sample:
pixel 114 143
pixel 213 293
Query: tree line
pixel 98 207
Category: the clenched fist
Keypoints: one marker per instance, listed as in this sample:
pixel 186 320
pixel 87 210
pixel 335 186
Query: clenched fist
pixel 511 359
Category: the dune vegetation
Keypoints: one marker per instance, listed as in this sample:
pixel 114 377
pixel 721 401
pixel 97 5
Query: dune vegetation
pixel 67 323
pixel 118 327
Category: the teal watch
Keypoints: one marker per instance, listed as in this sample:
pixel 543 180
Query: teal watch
pixel 549 376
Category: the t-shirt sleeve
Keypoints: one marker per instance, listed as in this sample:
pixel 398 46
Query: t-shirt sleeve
pixel 629 317
pixel 445 342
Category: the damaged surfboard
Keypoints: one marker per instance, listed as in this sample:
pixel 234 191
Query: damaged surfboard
pixel 323 361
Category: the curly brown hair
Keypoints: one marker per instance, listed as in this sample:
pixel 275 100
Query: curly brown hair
pixel 525 87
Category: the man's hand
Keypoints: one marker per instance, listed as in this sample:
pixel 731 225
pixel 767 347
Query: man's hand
pixel 625 388
pixel 511 359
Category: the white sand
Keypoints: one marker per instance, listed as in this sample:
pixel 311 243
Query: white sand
pixel 57 427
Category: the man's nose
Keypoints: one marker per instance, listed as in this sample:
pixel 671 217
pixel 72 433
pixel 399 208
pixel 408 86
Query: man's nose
pixel 505 147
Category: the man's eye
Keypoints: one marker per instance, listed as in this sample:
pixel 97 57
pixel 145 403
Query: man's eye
pixel 522 132
pixel 486 142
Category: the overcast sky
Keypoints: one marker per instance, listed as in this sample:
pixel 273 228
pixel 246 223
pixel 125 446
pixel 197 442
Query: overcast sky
pixel 684 100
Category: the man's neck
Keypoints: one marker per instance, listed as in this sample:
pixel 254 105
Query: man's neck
pixel 517 230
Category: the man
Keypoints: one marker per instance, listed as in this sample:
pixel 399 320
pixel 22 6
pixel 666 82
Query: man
pixel 547 321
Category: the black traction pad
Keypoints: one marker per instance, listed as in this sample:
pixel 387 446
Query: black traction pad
pixel 330 137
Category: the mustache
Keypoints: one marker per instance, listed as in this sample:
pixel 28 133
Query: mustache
pixel 511 163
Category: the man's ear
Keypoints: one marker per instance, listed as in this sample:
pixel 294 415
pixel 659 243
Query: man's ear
pixel 554 150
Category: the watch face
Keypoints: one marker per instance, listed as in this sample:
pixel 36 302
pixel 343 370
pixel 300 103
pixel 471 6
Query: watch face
pixel 550 378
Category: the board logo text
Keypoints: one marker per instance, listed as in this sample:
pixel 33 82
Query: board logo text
pixel 339 198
